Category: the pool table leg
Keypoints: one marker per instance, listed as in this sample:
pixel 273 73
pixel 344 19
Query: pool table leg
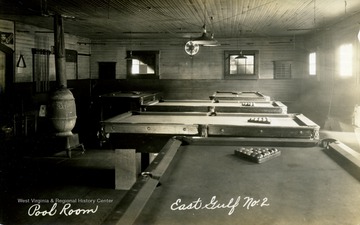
pixel 128 165
pixel 130 206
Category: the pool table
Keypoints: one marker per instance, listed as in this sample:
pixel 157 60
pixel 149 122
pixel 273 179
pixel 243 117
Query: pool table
pixel 214 107
pixel 147 132
pixel 114 103
pixel 204 182
pixel 239 96
pixel 205 124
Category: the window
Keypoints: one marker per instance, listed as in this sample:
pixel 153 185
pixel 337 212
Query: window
pixel 139 67
pixel 144 64
pixel 71 58
pixel 237 67
pixel 312 63
pixel 345 60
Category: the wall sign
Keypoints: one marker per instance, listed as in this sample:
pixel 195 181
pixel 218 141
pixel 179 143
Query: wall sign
pixel 6 38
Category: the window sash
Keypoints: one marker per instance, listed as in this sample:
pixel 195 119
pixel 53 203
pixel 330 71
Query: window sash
pixel 312 63
pixel 241 68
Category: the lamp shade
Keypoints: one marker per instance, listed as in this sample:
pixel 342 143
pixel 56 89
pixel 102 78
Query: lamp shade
pixel 129 56
pixel 241 56
pixel 206 39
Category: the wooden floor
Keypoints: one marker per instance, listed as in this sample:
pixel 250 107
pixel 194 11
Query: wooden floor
pixel 86 181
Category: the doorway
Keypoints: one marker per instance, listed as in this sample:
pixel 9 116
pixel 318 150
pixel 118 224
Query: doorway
pixel 6 69
pixel 107 70
pixel 2 72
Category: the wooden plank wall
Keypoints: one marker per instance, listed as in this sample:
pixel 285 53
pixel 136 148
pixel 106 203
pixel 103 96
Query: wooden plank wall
pixel 328 96
pixel 181 76
pixel 28 37
pixel 194 78
pixel 185 77
pixel 207 64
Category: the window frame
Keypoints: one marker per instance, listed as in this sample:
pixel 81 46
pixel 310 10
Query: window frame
pixel 229 53
pixel 156 55
pixel 310 63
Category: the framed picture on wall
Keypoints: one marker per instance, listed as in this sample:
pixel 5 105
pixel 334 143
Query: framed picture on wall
pixel 6 38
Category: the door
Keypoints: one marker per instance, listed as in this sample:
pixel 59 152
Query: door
pixel 107 70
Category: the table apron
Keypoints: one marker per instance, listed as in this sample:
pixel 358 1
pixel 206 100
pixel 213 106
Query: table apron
pixel 262 131
pixel 176 129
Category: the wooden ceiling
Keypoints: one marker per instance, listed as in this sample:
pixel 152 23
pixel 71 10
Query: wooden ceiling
pixel 104 19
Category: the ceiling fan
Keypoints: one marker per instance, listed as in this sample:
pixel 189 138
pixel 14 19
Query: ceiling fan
pixel 191 48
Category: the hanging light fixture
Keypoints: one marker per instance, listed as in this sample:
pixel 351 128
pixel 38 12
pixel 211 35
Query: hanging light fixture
pixel 206 39
pixel 212 43
pixel 241 56
pixel 130 55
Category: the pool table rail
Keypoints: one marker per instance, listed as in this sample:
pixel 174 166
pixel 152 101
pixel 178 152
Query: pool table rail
pixel 239 95
pixel 115 125
pixel 215 107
